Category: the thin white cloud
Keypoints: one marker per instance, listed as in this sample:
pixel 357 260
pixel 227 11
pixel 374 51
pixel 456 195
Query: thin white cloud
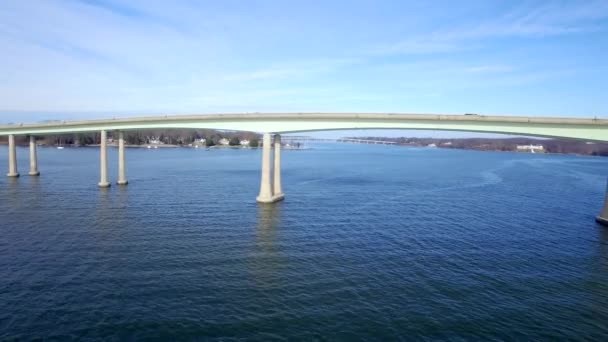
pixel 489 69
pixel 293 69
pixel 550 19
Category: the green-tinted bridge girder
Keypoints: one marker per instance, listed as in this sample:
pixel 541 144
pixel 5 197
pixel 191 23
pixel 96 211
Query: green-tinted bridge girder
pixel 574 128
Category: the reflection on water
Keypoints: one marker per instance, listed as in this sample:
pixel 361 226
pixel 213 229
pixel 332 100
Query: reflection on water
pixel 266 260
pixel 122 198
pixel 268 221
pixel 104 208
pixel 14 193
pixel 34 181
pixel 603 249
pixel 12 183
pixel 597 281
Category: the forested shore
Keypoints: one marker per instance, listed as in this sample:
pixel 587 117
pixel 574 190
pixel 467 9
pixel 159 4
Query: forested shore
pixel 164 136
pixel 563 146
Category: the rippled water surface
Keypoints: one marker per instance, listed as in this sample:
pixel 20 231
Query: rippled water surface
pixel 372 242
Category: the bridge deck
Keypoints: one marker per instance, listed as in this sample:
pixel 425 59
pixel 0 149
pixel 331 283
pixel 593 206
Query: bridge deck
pixel 576 128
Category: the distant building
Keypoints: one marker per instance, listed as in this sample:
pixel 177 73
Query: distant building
pixel 224 142
pixel 531 148
pixel 244 142
pixel 431 145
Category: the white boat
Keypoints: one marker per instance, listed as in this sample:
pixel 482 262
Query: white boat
pixel 60 147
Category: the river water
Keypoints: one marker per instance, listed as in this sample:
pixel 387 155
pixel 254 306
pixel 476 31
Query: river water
pixel 372 242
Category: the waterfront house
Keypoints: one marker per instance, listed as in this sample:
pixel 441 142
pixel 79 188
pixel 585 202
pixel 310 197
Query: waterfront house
pixel 530 148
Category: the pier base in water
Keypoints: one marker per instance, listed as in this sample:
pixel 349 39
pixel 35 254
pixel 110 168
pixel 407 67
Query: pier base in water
pixel 602 218
pixel 272 199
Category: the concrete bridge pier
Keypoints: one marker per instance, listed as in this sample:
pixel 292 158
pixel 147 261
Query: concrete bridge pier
pixel 12 157
pixel 278 189
pixel 602 218
pixel 103 147
pixel 268 192
pixel 122 174
pixel 33 157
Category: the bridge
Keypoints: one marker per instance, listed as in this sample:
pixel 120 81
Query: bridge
pixel 272 125
pixel 344 140
pixel 366 141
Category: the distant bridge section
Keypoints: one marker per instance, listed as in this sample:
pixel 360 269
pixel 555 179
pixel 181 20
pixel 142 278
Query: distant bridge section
pixel 299 138
pixel 366 141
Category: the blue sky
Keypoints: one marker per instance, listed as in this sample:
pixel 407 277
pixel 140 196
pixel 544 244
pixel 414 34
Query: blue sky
pixel 99 58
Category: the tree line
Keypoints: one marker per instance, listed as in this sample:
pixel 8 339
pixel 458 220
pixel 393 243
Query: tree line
pixel 143 137
pixel 505 144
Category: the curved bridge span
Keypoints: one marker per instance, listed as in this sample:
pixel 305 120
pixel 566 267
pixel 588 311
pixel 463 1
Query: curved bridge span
pixel 589 129
pixel 575 128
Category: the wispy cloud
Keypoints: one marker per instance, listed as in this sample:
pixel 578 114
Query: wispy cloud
pixel 293 69
pixel 489 69
pixel 548 19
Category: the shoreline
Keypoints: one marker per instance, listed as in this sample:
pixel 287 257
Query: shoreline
pixel 167 146
pixel 501 151
pixel 156 147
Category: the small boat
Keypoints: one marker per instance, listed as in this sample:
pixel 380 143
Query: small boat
pixel 60 147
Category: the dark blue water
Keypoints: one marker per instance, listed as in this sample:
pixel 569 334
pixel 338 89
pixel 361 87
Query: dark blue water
pixel 372 242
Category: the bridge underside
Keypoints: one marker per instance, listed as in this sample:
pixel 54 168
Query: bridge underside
pixel 570 131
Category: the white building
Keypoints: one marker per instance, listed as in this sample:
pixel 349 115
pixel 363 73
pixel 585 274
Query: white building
pixel 531 148
pixel 224 142
pixel 244 142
